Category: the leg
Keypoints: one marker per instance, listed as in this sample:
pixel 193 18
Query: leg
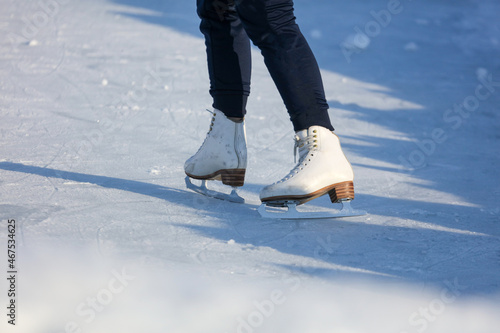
pixel 271 26
pixel 322 167
pixel 228 55
pixel 223 154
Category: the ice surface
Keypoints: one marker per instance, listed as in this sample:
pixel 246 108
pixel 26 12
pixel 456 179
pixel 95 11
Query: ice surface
pixel 101 102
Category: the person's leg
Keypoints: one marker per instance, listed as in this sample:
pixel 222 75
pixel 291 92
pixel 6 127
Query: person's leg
pixel 271 26
pixel 223 155
pixel 228 55
pixel 322 167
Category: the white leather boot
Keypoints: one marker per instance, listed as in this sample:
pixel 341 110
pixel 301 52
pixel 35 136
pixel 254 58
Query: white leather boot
pixel 223 154
pixel 322 168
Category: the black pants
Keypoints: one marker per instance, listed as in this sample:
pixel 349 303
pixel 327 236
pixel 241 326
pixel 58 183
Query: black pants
pixel 270 24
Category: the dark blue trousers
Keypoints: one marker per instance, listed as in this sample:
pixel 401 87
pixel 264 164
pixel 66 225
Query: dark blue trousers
pixel 228 27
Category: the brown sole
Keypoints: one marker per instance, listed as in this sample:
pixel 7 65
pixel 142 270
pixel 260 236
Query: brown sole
pixel 338 192
pixel 231 177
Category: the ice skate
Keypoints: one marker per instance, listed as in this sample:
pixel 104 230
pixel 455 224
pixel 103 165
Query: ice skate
pixel 322 169
pixel 222 156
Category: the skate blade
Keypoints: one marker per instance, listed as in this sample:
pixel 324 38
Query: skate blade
pixel 203 189
pixel 293 214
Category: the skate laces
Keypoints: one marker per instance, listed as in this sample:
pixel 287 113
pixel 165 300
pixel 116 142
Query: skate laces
pixel 212 121
pixel 209 130
pixel 306 148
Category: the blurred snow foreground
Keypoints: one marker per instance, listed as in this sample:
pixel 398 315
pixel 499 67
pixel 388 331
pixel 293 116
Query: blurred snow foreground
pixel 81 292
pixel 102 102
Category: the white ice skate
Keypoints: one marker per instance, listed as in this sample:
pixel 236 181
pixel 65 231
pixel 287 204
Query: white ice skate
pixel 222 156
pixel 322 168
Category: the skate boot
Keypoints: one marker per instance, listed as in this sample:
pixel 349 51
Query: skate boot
pixel 222 156
pixel 322 168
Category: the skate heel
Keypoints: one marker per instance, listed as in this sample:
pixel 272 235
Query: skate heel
pixel 235 177
pixel 342 191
